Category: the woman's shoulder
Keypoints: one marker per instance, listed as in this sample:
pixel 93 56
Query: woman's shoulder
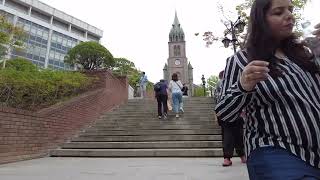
pixel 240 58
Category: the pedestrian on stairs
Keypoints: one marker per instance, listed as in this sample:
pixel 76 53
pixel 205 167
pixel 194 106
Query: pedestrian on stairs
pixel 276 81
pixel 161 94
pixel 175 87
pixel 232 133
pixel 143 84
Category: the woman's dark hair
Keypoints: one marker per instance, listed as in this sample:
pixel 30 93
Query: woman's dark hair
pixel 262 45
pixel 175 77
pixel 221 74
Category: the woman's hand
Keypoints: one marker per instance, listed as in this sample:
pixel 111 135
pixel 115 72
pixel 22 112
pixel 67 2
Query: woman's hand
pixel 317 31
pixel 253 73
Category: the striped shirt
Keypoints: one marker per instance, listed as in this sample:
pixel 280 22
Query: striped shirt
pixel 282 112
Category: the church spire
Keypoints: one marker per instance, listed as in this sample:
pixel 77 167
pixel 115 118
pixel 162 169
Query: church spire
pixel 176 20
pixel 176 33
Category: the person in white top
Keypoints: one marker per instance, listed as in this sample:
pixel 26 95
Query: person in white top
pixel 143 84
pixel 175 87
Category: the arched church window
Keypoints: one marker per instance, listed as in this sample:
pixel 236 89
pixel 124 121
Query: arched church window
pixel 178 51
pixel 175 50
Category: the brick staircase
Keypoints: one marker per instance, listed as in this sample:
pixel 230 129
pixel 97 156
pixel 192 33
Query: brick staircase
pixel 133 130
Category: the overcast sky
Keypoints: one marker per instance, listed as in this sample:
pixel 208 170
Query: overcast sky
pixel 139 30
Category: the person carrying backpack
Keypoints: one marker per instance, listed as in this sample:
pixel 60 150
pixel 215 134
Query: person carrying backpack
pixel 161 95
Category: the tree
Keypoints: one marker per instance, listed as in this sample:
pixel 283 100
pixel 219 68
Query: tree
pixel 212 81
pixel 134 78
pixel 123 66
pixel 90 56
pixel 11 38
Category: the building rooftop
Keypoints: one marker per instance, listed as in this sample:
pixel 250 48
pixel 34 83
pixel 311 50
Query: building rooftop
pixel 57 14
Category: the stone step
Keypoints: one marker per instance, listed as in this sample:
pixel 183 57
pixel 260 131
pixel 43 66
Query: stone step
pixel 90 132
pixel 169 120
pixel 182 120
pixel 147 138
pixel 153 123
pixel 143 145
pixel 134 130
pixel 154 117
pixel 184 100
pixel 155 107
pixel 192 99
pixel 200 152
pixel 161 127
pixel 170 100
pixel 145 112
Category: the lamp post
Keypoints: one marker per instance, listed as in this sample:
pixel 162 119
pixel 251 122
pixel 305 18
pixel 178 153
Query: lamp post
pixel 203 85
pixel 235 26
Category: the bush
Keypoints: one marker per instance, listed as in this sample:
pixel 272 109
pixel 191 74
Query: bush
pixel 198 92
pixel 20 64
pixel 22 86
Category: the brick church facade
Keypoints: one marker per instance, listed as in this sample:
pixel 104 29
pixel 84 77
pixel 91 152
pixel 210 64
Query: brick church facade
pixel 178 61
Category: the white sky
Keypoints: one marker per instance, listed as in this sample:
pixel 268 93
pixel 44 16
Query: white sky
pixel 139 30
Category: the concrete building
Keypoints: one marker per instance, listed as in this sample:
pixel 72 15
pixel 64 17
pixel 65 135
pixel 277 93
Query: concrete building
pixel 178 61
pixel 51 33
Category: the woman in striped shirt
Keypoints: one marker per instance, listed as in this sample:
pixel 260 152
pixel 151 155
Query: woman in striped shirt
pixel 277 83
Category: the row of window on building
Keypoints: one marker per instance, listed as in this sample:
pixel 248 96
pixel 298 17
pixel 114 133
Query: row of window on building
pixel 37 42
pixel 47 18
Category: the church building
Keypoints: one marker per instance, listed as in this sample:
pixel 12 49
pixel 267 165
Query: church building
pixel 178 61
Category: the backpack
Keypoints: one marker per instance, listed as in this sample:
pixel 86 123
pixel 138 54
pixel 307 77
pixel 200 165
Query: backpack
pixel 157 87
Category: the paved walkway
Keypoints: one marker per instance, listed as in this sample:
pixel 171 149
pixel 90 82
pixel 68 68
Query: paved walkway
pixel 123 169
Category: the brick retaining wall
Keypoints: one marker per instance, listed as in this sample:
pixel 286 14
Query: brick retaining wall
pixel 26 135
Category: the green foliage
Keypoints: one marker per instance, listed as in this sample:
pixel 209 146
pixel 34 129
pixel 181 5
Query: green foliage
pixel 134 78
pixel 90 56
pixel 21 64
pixel 11 38
pixel 212 81
pixel 198 92
pixel 23 86
pixel 123 66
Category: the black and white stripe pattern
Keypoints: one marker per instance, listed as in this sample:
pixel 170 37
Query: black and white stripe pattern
pixel 283 111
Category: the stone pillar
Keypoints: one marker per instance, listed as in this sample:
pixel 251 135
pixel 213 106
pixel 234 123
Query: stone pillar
pixel 3 2
pixel 70 27
pixel 86 35
pixel 30 10
pixel 15 20
pixel 48 49
pixel 46 63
